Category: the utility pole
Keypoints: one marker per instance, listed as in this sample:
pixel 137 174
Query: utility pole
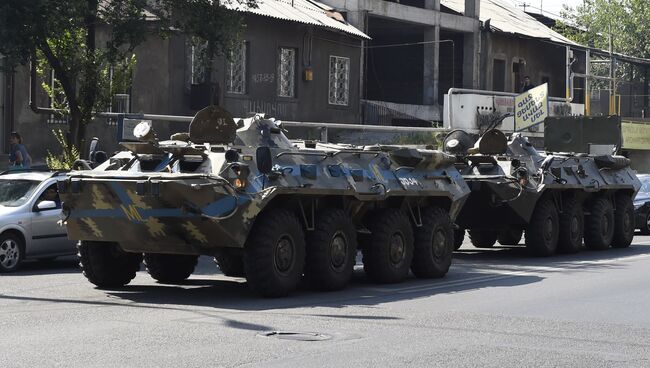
pixel 524 5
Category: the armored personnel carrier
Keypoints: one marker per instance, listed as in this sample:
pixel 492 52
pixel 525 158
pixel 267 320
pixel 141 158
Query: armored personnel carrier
pixel 556 199
pixel 267 208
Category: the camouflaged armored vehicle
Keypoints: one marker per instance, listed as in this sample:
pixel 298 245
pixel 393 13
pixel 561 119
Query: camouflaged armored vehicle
pixel 265 207
pixel 556 199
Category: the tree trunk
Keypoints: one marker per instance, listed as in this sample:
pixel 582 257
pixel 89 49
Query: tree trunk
pixel 75 135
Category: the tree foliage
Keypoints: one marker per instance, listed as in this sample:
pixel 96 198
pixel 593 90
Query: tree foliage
pixel 627 21
pixel 81 39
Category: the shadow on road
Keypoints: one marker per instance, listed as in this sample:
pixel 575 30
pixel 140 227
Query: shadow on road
pixel 504 256
pixel 214 298
pixel 225 294
pixel 44 267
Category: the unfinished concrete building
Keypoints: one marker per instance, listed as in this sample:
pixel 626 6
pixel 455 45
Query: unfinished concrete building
pixel 419 49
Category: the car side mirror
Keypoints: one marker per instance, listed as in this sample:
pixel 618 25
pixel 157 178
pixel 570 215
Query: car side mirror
pixel 264 160
pixel 46 205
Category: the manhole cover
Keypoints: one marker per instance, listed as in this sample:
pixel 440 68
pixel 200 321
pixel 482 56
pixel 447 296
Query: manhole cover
pixel 299 336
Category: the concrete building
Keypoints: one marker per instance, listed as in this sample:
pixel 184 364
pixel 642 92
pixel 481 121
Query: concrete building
pixel 419 49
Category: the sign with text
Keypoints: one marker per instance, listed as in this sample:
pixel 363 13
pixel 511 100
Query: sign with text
pixel 531 107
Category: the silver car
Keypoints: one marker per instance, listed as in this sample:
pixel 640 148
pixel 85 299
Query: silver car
pixel 29 213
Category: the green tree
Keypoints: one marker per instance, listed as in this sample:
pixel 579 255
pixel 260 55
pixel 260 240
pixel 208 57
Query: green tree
pixel 66 34
pixel 626 21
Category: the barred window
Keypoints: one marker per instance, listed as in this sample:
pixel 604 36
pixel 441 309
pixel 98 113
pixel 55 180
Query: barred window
pixel 236 74
pixel 339 86
pixel 286 72
pixel 195 63
pixel 56 100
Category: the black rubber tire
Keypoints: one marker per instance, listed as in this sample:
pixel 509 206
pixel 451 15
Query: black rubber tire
pixel 331 251
pixel 231 265
pixel 482 238
pixel 599 225
pixel 543 231
pixel 434 244
pixel 106 265
pixel 645 229
pixel 389 251
pixel 170 268
pixel 623 222
pixel 572 223
pixel 274 231
pixel 510 236
pixel 459 236
pixel 12 252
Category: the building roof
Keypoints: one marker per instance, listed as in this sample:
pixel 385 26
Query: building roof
pixel 505 17
pixel 301 11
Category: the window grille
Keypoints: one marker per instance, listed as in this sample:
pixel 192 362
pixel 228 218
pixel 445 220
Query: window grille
pixel 287 72
pixel 195 63
pixel 56 99
pixel 236 75
pixel 339 82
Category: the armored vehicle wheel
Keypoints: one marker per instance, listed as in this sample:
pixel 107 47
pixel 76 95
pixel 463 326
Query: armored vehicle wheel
pixel 331 250
pixel 623 222
pixel 170 268
pixel 571 227
pixel 599 225
pixel 105 264
pixel 274 253
pixel 483 238
pixel 388 253
pixel 230 264
pixel 459 236
pixel 510 236
pixel 543 230
pixel 12 252
pixel 434 242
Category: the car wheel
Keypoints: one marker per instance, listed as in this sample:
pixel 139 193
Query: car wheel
pixel 12 252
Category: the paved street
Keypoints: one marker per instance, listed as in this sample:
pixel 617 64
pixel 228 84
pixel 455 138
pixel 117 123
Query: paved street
pixel 496 308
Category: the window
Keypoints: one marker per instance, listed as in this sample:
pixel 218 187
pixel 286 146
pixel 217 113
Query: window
pixel 339 85
pixel 55 99
pixel 236 73
pixel 499 75
pixel 195 63
pixel 287 72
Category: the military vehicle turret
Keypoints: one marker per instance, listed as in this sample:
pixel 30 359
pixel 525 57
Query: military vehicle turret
pixel 267 208
pixel 556 199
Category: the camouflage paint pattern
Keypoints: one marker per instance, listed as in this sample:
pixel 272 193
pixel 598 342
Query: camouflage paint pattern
pixel 188 198
pixel 505 187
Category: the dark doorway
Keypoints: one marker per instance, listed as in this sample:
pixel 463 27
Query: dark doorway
pixel 394 64
pixel 499 75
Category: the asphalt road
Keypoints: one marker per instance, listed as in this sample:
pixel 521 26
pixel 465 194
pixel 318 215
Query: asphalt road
pixel 496 308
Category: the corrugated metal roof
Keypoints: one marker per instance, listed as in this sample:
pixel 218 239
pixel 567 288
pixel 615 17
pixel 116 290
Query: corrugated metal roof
pixel 301 11
pixel 505 17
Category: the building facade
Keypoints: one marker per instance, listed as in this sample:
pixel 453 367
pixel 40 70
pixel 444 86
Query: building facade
pixel 303 67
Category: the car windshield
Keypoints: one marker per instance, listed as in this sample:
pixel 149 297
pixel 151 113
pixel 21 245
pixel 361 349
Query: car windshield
pixel 645 187
pixel 14 193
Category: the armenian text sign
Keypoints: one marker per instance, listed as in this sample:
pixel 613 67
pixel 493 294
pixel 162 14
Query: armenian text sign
pixel 531 107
